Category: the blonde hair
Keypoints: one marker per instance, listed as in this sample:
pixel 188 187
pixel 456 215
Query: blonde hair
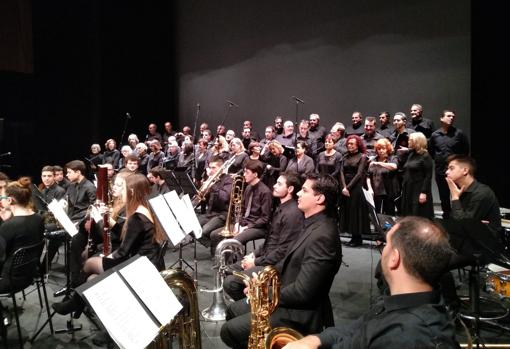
pixel 419 142
pixel 238 141
pixel 275 145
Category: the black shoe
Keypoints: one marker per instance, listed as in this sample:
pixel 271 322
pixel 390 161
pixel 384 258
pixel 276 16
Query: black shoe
pixel 354 243
pixel 67 306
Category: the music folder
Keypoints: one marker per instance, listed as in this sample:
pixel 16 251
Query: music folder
pixel 133 302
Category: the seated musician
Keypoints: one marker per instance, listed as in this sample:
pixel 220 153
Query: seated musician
pixel 416 252
pixel 286 225
pixel 159 185
pixel 217 199
pixel 141 235
pixel 256 206
pixel 48 189
pixel 21 227
pixel 306 272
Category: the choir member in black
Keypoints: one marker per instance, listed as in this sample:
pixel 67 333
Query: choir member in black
pixel 159 184
pixel 254 135
pixel 169 131
pixel 141 150
pixel 217 200
pixel 153 135
pixel 124 152
pixel 414 316
pixel 385 127
pixel 381 179
pixel 207 135
pixel 278 125
pixel 285 228
pixel 338 131
pixel 353 209
pixel 229 136
pixel 141 235
pixel 317 134
pixel 20 227
pixel 237 152
pixel 356 127
pixel 156 157
pixel 254 151
pixel 287 138
pixel 419 123
pixel 187 157
pixel 400 141
pixel 221 130
pixel 132 141
pixel 247 137
pixel 446 141
pixel 330 160
pixel 95 158
pixel 417 180
pixel 172 156
pixel 304 136
pixel 111 154
pixel 276 163
pixel 201 158
pixel 59 177
pixel 270 135
pixel 220 148
pixel 370 136
pixel 302 164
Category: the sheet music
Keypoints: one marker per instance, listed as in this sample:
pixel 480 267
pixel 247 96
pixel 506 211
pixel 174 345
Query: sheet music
pixel 369 197
pixel 179 209
pixel 94 213
pixel 166 219
pixel 121 314
pixel 152 289
pixel 62 217
pixel 197 228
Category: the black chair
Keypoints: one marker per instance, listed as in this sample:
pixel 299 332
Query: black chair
pixel 26 261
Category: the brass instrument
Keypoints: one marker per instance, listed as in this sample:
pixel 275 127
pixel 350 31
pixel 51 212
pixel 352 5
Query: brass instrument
pixel 186 325
pixel 234 207
pixel 226 249
pixel 207 185
pixel 262 306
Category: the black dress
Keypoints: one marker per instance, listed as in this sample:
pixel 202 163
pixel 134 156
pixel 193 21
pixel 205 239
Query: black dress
pixel 329 164
pixel 139 239
pixel 385 185
pixel 353 210
pixel 417 179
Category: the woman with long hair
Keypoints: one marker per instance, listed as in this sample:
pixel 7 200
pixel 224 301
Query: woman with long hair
pixel 276 163
pixel 237 151
pixel 140 235
pixel 417 179
pixel 353 210
pixel 20 227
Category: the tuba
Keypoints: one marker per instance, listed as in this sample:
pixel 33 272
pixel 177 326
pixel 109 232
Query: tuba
pixel 262 306
pixel 186 324
pixel 226 249
pixel 235 207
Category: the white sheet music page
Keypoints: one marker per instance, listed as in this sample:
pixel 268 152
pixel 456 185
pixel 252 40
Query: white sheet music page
pixel 152 289
pixel 369 197
pixel 166 219
pixel 179 209
pixel 62 217
pixel 197 228
pixel 121 313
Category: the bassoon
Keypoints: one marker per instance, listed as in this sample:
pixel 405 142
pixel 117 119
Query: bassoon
pixel 102 193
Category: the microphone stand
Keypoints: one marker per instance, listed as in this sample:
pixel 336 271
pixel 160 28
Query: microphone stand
pixel 195 124
pixel 128 116
pixel 230 105
pixel 297 128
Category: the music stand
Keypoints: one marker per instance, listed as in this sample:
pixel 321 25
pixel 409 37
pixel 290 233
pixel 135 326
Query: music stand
pixel 182 176
pixel 289 152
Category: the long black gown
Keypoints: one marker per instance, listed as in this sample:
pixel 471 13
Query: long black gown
pixel 417 179
pixel 353 211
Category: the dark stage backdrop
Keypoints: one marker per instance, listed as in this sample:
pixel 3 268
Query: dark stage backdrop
pixel 95 60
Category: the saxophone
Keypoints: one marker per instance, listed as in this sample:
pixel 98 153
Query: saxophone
pixel 186 324
pixel 262 306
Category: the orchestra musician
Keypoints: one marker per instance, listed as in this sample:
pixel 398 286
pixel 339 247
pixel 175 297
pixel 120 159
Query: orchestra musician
pixel 306 272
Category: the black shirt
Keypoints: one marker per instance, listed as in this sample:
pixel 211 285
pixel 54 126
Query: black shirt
pixel 412 320
pixel 260 208
pixel 286 226
pixel 422 125
pixel 79 197
pixel 442 145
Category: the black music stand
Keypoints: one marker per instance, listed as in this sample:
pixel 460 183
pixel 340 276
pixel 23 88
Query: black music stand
pixel 182 176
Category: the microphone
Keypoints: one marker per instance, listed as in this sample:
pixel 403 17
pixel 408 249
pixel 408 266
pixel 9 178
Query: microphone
pixel 128 115
pixel 198 106
pixel 232 103
pixel 298 99
pixel 5 154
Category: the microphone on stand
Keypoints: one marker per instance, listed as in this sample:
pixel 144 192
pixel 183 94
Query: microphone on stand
pixel 128 116
pixel 232 103
pixel 298 99
pixel 5 154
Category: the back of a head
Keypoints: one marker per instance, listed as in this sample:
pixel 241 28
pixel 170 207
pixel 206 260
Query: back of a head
pixel 424 248
pixel 20 191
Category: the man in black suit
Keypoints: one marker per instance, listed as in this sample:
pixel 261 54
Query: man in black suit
pixel 306 272
pixel 285 228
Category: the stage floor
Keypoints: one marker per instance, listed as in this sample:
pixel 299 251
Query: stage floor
pixel 352 293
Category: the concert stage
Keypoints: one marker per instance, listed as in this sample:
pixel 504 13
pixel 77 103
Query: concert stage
pixel 353 290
